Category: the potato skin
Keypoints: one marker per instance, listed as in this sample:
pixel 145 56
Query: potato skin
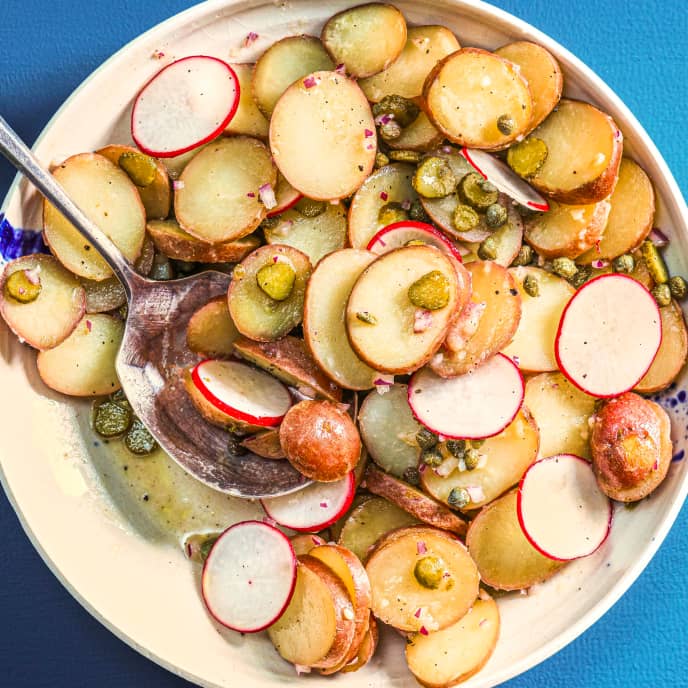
pixel 320 440
pixel 631 447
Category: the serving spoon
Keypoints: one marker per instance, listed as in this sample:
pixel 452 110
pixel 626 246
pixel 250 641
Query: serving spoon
pixel 154 354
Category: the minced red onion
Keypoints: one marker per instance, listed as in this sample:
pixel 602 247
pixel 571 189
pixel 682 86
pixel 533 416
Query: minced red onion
pixel 482 623
pixel 422 320
pixel 315 540
pixel 420 547
pixel 599 264
pixel 516 360
pixel 383 119
pixel 384 381
pixel 302 669
pixel 269 521
pixel 384 195
pixel 406 204
pixel 369 133
pixel 475 492
pixel 370 146
pixel 89 325
pixel 158 54
pixel 267 196
pixel 177 184
pixel 32 275
pixel 417 613
pixel 340 69
pixel 446 149
pixel 423 631
pixel 250 194
pixel 310 81
pixel 658 238
pixel 250 39
pixel 323 505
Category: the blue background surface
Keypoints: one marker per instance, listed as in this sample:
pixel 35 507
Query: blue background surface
pixel 48 48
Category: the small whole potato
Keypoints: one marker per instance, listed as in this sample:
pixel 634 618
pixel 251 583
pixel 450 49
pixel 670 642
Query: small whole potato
pixel 631 447
pixel 320 440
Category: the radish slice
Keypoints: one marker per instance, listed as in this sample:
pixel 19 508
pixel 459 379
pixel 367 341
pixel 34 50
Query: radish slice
pixel 313 508
pixel 608 335
pixel 471 406
pixel 399 234
pixel 561 509
pixel 242 392
pixel 185 105
pixel 249 576
pixel 503 177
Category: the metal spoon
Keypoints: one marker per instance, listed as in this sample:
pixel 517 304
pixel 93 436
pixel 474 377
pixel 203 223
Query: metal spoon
pixel 154 353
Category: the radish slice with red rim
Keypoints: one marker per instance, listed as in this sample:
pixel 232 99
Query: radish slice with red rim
pixel 471 406
pixel 286 196
pixel 561 509
pixel 399 234
pixel 505 179
pixel 315 507
pixel 608 335
pixel 186 104
pixel 242 392
pixel 249 576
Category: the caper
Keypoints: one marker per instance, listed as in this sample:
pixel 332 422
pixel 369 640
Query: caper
pixel 564 267
pixel 310 208
pixel 411 475
pixel 417 212
pixel 21 288
pixel 405 156
pixel 477 192
pixel 488 249
pixel 582 276
pixel 234 446
pixel 432 457
pixel 389 131
pixel 654 261
pixel 456 448
pixel 624 263
pixel 472 458
pixel 112 418
pixel 276 280
pixel 506 124
pixel 662 294
pixel 429 571
pixel 366 317
pixel 162 269
pixel 138 440
pixel 381 160
pixel 431 291
pixel 270 222
pixel 495 215
pixel 403 110
pixel 434 178
pixel 459 498
pixel 141 168
pixel 206 546
pixel 476 444
pixel 527 157
pixel 426 439
pixel 524 256
pixel 678 287
pixel 531 286
pixel 465 218
pixel 390 213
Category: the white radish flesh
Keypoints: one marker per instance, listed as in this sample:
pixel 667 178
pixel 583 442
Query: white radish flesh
pixel 400 234
pixel 561 509
pixel 608 335
pixel 471 406
pixel 185 105
pixel 249 576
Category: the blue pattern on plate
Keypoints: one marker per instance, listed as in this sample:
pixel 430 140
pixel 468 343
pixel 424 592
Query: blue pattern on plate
pixel 16 242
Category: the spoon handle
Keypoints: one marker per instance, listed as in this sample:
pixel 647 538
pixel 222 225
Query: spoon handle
pixel 19 155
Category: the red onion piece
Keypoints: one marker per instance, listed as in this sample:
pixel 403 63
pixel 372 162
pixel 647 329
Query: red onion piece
pixel 267 196
pixel 658 238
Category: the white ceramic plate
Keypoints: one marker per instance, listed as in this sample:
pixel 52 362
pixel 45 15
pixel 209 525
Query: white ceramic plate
pixel 133 576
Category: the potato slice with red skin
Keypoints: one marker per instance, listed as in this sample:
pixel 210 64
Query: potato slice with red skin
pixel 398 595
pixel 485 325
pixel 248 120
pixel 366 649
pixel 322 136
pixel 503 555
pixel 449 657
pixel 210 331
pixel 584 153
pixel 631 447
pixel 265 444
pixel 468 91
pixel 49 319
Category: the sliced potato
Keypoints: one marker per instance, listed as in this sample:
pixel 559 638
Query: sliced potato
pixel 303 543
pixel 382 292
pixel 505 458
pixel 672 353
pixel 397 592
pixel 533 343
pixel 110 199
pixel 175 166
pixel 289 360
pixel 52 316
pixel 631 217
pixel 267 445
pixel 388 430
pixel 360 497
pixel 413 501
pixel 248 120
pixel 175 243
pixel 323 320
pixel 505 243
pixel 567 230
pixel 319 136
pixel 468 92
pixel 257 315
pixel 83 365
pixel 389 184
pixel 485 325
pixel 318 626
pixel 219 196
pixel 315 236
pixel 541 71
pixel 561 412
pixel 366 649
pixel 104 296
pixel 425 47
pixel 211 331
pixel 421 135
pixel 366 39
pixel 282 64
pixel 446 658
pixel 156 195
pixel 584 148
pixel 503 555
pixel 369 521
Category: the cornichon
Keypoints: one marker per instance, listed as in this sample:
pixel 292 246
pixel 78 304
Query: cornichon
pixel 434 178
pixel 431 291
pixel 390 213
pixel 654 261
pixel 477 192
pixel 276 280
pixel 20 287
pixel 527 157
pixel 465 218
pixel 405 156
pixel 141 168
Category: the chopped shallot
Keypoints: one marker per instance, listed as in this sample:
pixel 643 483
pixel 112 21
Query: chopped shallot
pixel 177 184
pixel 267 196
pixel 420 547
pixel 250 39
pixel 310 81
pixel 475 492
pixel 658 237
pixel 422 320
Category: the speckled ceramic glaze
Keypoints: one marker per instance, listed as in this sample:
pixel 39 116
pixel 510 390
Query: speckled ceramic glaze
pixel 133 575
